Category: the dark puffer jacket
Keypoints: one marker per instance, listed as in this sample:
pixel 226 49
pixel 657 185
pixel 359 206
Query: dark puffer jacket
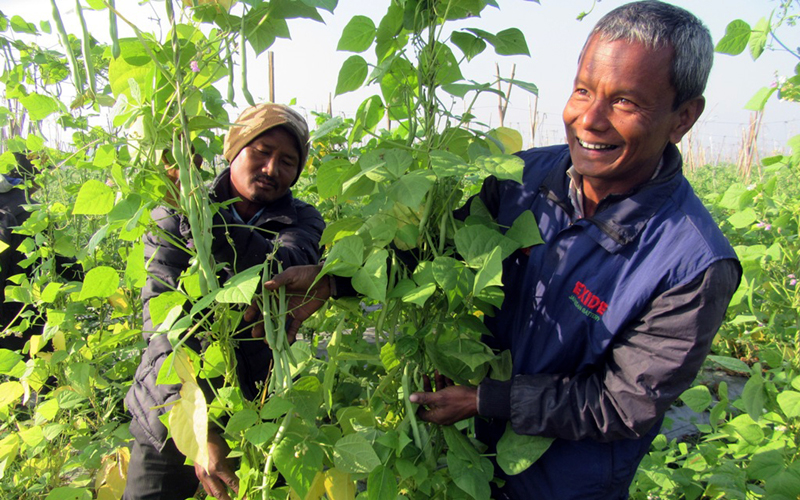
pixel 296 224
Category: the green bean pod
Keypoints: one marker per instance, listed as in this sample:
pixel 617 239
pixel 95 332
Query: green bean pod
pixel 112 29
pixel 243 52
pixel 87 48
pixel 231 93
pixel 77 78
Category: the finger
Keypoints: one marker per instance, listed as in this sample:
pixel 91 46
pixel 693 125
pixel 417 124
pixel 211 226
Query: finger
pixel 251 313
pixel 420 398
pixel 258 330
pixel 229 477
pixel 441 380
pixel 426 384
pixel 212 486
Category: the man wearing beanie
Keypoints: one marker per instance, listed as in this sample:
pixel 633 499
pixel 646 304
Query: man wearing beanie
pixel 267 149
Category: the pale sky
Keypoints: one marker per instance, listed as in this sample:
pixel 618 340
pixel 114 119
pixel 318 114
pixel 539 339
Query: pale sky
pixel 307 66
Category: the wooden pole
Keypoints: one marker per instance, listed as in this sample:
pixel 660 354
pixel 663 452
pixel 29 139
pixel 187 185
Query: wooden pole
pixel 271 61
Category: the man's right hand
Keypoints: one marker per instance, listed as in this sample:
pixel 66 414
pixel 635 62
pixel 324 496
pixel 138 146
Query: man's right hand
pixel 220 475
pixel 304 299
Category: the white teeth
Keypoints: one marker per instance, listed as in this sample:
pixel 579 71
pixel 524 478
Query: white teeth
pixel 595 147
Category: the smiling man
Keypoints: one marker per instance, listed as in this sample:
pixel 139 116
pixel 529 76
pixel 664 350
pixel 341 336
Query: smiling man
pixel 267 149
pixel 609 320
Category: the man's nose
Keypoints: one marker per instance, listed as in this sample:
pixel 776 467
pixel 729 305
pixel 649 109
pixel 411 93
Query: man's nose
pixel 596 115
pixel 270 166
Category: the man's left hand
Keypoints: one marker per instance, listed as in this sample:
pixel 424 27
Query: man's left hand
pixel 449 404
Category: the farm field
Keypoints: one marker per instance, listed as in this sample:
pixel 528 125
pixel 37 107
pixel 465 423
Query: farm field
pixel 337 425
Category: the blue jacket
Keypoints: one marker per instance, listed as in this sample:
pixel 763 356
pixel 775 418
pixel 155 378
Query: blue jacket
pixel 588 364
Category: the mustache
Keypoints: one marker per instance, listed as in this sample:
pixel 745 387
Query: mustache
pixel 265 177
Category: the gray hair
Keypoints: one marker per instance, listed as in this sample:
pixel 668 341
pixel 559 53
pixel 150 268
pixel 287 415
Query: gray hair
pixel 657 25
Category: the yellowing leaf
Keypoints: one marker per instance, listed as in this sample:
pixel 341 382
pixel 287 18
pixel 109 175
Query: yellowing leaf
pixel 339 485
pixel 510 139
pixel 316 490
pixel 111 478
pixel 183 366
pixel 59 342
pixel 10 392
pixel 36 344
pixel 9 446
pixel 188 421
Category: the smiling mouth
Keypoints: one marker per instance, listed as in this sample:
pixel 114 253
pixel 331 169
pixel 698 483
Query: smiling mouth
pixel 596 147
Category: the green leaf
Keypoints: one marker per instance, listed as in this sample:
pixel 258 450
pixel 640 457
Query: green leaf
pixel 446 164
pixel 420 295
pixel 517 452
pixel 334 232
pixel 135 273
pixel 491 273
pixel 469 470
pixel 527 86
pixel 69 493
pixel 511 42
pixel 240 421
pixel 135 66
pixel 372 280
pixel 8 360
pixel 94 198
pixel 39 106
pixel 241 287
pixel 332 175
pixel 698 398
pixel 162 304
pixel 34 143
pixel 454 278
pixel 475 243
pixel 737 34
pixel 733 364
pixel 298 461
pixel 469 44
pixel 276 407
pixel 328 5
pixel 382 484
pixel 753 395
pixel 789 401
pixel 101 282
pixel 345 257
pixel 447 70
pixel 758 38
pixel 326 128
pixel 502 166
pixel 411 189
pixel 506 43
pixel 744 218
pixel 759 100
pixel 355 455
pixel 352 75
pixel 357 35
pixel 525 230
pixel 19 25
pixel 261 434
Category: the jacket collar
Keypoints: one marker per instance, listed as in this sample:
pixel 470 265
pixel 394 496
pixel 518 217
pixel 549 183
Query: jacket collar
pixel 621 217
pixel 282 210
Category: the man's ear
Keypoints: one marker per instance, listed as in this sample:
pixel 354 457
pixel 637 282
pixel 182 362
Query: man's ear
pixel 688 113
